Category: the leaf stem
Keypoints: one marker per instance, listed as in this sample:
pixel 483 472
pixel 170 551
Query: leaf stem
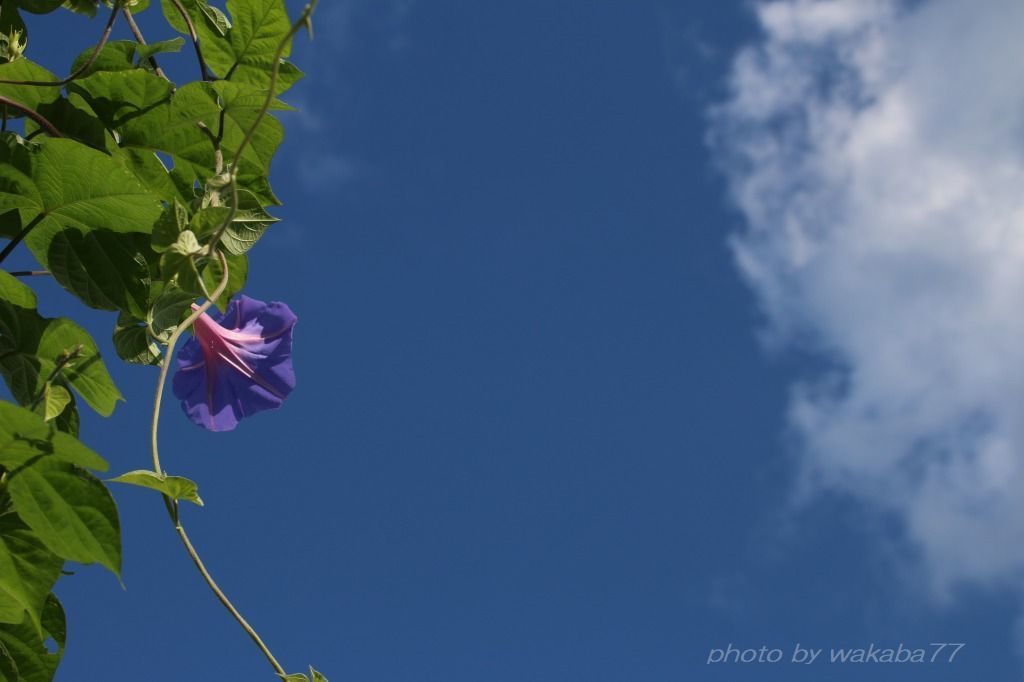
pixel 171 504
pixel 222 597
pixel 141 41
pixel 11 245
pixel 166 362
pixel 204 72
pixel 88 63
pixel 62 360
pixel 32 114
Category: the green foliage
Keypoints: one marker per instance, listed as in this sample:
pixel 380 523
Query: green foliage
pixel 245 228
pixel 174 487
pixel 240 49
pixel 70 510
pixel 36 351
pixel 314 676
pixel 134 193
pixel 26 438
pixel 30 96
pixel 133 343
pixel 116 55
pixel 27 571
pixel 23 654
pixel 55 401
pixel 65 186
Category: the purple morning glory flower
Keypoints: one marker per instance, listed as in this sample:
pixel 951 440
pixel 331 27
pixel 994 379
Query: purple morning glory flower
pixel 236 364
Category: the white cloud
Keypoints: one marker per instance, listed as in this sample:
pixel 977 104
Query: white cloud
pixel 876 151
pixel 324 171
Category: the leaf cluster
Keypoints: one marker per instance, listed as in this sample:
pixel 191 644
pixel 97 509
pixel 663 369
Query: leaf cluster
pixel 131 191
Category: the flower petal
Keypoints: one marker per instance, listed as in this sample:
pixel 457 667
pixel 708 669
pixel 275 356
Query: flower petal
pixel 236 364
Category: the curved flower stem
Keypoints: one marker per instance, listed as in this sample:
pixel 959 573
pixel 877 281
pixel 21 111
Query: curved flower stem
pixel 303 20
pixel 211 248
pixel 223 598
pixel 172 505
pixel 166 362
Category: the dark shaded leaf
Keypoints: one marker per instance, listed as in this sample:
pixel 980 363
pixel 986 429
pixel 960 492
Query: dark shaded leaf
pixel 31 346
pixel 25 438
pixel 26 657
pixel 133 343
pixel 105 270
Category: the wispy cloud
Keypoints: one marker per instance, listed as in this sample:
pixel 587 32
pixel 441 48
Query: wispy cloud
pixel 322 98
pixel 876 151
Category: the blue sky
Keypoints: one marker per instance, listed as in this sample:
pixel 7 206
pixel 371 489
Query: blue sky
pixel 627 330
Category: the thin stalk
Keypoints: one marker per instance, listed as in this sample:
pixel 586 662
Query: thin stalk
pixel 172 505
pixel 88 63
pixel 11 245
pixel 62 362
pixel 141 41
pixel 225 601
pixel 204 72
pixel 166 362
pixel 303 20
pixel 32 114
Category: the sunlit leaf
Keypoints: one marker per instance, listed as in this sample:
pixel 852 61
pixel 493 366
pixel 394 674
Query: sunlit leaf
pixel 259 27
pixel 314 676
pixel 211 26
pixel 70 510
pixel 28 570
pixel 55 399
pixel 249 223
pixel 66 185
pixel 29 95
pixel 116 55
pixel 175 487
pixel 87 7
pixel 160 47
pixel 16 292
pixel 238 270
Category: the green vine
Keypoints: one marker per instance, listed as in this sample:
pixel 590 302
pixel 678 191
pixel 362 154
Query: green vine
pixel 83 185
